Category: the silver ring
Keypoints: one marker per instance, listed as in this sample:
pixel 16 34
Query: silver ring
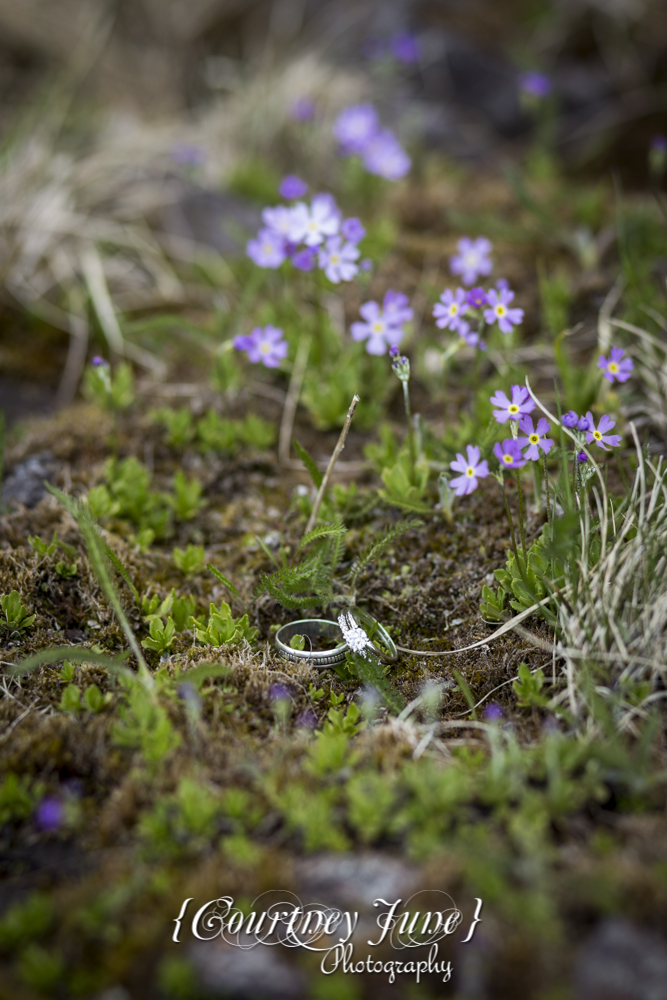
pixel 312 628
pixel 358 639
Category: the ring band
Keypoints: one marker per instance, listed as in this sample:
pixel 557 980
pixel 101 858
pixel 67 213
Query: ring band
pixel 390 653
pixel 312 628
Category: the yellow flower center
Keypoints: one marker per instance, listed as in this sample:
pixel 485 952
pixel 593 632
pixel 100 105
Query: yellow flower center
pixel 453 309
pixel 500 310
pixel 534 438
pixel 514 409
pixel 265 348
pixel 378 327
pixel 507 459
pixel 613 367
pixel 597 435
pixel 470 471
pixel 334 259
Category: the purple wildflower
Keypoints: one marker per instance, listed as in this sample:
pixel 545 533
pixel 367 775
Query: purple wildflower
pixel 509 454
pixel 472 260
pixel 477 298
pixel 582 457
pixel 471 470
pixel 99 362
pixel 305 259
pixel 493 712
pixel 535 439
pixel 376 331
pixel 519 406
pixel 502 284
pixel 383 155
pixel 450 309
pixel 405 48
pixel 187 155
pixel 263 344
pixel 278 220
pixel 355 127
pixel 396 308
pixel 188 693
pixel 303 109
pixel 292 187
pixel 615 369
pixel 267 249
pixel 569 419
pixel 352 230
pixel 49 814
pixel 366 265
pixel 394 350
pixel 583 424
pixel 659 143
pixel 535 84
pixel 599 434
pixel 499 311
pixel 278 692
pixel 337 260
pixel 314 225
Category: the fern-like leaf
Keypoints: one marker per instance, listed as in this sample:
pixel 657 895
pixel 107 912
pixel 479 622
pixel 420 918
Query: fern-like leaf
pixel 122 571
pixel 222 579
pixel 322 531
pixel 375 550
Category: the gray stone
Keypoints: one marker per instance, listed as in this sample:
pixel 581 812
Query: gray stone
pixel 621 961
pixel 25 484
pixel 255 974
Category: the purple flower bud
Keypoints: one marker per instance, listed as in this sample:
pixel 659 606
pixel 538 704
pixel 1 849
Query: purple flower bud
pixel 583 424
pixel 659 143
pixel 303 110
pixel 535 84
pixel 493 712
pixel 476 298
pixel 278 692
pixel 49 814
pixel 292 187
pixel 393 350
pixel 187 155
pixel 582 457
pixel 305 259
pixel 307 719
pixel 188 693
pixel 405 48
pixel 366 265
pixel 352 230
pixel 99 362
pixel 570 419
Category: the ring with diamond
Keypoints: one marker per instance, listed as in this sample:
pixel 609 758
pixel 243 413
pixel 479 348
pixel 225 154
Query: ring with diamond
pixel 358 640
pixel 312 629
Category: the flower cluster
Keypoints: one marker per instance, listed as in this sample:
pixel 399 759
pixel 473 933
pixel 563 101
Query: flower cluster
pixel 308 235
pixel 585 426
pixel 358 130
pixel 457 310
pixel 383 326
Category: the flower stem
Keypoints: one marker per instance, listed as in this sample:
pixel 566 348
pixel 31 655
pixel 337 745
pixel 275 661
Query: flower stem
pixel 521 517
pixel 513 536
pixel 411 437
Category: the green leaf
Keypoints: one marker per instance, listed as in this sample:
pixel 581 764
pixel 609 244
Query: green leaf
pixel 310 464
pixel 373 551
pixel 121 570
pixel 222 579
pixel 322 531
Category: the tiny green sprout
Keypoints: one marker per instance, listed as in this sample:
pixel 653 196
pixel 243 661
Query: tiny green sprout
pixel 94 700
pixel 315 693
pixel 67 671
pixel 182 611
pixel 66 570
pixel 111 390
pixel 528 687
pixel 257 433
pixel 336 699
pixel 217 433
pixel 144 539
pixel 222 629
pixel 70 699
pixel 189 560
pixel 161 637
pixel 102 505
pixel 40 547
pixel 153 607
pixel 15 617
pixel 447 496
pixel 179 425
pixel 186 500
pixel 298 641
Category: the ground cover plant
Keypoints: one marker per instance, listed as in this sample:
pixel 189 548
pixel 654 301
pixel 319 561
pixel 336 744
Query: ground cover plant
pixel 433 402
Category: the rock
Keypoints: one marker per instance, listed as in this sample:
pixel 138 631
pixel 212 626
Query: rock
pixel 25 484
pixel 354 881
pixel 256 974
pixel 621 961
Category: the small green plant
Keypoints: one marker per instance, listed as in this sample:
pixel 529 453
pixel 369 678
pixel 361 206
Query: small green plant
pixel 255 432
pixel 112 390
pixel 70 699
pixel 216 433
pixel 179 425
pixel 26 920
pixel 144 724
pixel 162 635
pixel 66 570
pixel 187 497
pixel 223 630
pixel 43 548
pixel 17 798
pixel 128 495
pixel 189 560
pixel 528 688
pixel 15 618
pixel 41 969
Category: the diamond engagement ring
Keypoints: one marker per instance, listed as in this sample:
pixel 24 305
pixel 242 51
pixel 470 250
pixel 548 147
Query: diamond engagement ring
pixel 358 639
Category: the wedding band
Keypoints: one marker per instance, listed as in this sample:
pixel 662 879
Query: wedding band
pixel 311 628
